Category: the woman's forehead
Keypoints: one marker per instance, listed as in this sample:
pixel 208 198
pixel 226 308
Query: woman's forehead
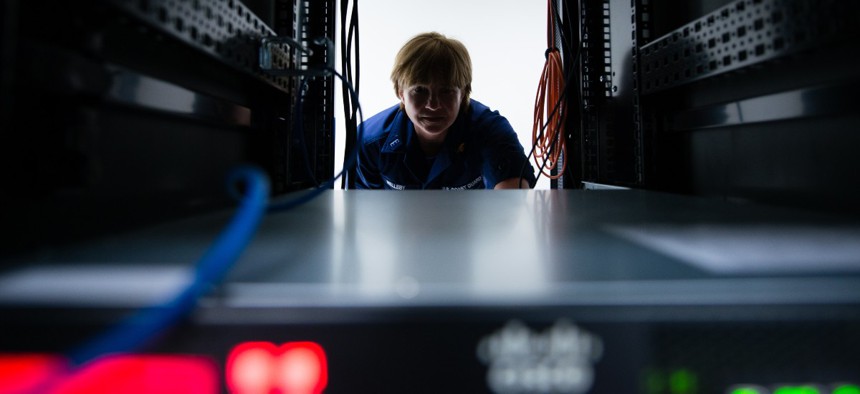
pixel 435 84
pixel 428 79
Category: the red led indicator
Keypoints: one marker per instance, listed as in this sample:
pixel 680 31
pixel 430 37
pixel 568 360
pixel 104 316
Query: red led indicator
pixel 24 373
pixel 145 374
pixel 128 374
pixel 263 368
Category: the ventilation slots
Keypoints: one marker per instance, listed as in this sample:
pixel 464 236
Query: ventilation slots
pixel 741 34
pixel 226 29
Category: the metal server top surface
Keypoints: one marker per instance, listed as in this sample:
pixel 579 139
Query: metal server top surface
pixel 398 250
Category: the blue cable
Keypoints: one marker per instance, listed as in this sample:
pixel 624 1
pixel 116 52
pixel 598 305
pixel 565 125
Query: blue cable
pixel 135 331
pixel 348 163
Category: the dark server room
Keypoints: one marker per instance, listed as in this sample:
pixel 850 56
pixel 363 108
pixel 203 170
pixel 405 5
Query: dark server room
pixel 176 220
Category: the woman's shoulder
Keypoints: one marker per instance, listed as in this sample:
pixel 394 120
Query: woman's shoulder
pixel 477 108
pixel 379 126
pixel 482 116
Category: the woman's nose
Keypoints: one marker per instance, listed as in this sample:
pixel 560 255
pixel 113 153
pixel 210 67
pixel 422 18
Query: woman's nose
pixel 433 101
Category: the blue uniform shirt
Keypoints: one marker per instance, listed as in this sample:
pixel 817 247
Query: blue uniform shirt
pixel 480 150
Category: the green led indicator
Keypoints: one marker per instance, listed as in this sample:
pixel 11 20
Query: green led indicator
pixel 683 381
pixel 847 389
pixel 746 390
pixel 797 390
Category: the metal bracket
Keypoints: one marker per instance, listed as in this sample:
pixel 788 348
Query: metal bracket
pixel 270 46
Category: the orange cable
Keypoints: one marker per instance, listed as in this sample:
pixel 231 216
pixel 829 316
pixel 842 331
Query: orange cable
pixel 549 146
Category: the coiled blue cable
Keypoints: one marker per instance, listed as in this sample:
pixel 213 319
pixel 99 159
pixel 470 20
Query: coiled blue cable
pixel 135 331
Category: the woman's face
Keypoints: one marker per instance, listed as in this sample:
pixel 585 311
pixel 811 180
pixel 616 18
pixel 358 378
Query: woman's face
pixel 432 109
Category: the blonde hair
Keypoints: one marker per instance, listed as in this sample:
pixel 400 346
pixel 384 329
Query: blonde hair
pixel 432 58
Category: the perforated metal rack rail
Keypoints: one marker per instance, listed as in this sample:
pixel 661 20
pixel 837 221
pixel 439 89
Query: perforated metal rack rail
pixel 594 71
pixel 225 29
pixel 612 151
pixel 318 21
pixel 742 34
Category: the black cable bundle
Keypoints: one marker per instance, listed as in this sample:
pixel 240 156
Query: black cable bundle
pixel 349 37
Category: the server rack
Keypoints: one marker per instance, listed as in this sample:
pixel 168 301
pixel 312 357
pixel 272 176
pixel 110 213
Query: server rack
pixel 118 114
pixel 747 100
